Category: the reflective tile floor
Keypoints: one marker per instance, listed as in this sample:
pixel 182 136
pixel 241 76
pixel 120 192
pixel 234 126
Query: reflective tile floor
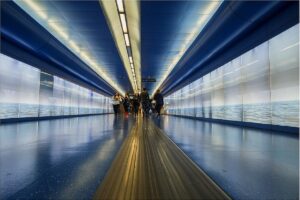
pixel 68 158
pixel 246 163
pixel 58 159
pixel 150 166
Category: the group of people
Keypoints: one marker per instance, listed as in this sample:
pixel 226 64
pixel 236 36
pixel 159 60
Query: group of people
pixel 137 102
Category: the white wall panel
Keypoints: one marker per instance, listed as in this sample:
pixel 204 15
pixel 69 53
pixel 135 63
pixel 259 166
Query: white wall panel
pixel 233 99
pixel 255 71
pixel 284 62
pixel 28 92
pixel 260 86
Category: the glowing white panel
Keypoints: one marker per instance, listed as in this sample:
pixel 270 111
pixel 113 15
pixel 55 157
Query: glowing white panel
pixel 28 92
pixel 126 39
pixel 123 23
pixel 46 95
pixel 120 5
pixel 217 93
pixel 284 61
pixel 198 98
pixel 256 85
pixel 75 98
pixel 260 86
pixel 58 96
pixel 130 59
pixel 206 96
pixel 19 89
pixel 233 99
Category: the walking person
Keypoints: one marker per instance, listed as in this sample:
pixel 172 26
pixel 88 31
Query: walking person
pixel 159 100
pixel 153 106
pixel 126 104
pixel 136 104
pixel 116 103
pixel 145 101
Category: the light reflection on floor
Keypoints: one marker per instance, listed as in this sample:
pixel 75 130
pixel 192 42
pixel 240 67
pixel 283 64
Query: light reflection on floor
pixel 246 163
pixel 58 158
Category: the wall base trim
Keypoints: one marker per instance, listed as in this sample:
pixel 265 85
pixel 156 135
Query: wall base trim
pixel 270 127
pixel 28 119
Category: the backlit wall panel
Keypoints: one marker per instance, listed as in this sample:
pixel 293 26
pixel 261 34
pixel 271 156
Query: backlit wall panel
pixel 206 96
pixel 284 77
pixel 260 86
pixel 217 93
pixel 28 92
pixel 58 96
pixel 19 89
pixel 255 70
pixel 232 83
pixel 46 94
pixel 199 112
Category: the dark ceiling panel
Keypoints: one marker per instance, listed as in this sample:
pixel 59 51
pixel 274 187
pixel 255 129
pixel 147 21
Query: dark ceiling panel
pixel 165 25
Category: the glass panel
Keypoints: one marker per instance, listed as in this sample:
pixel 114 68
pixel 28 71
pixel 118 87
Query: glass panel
pixel 46 95
pixel 217 93
pixel 256 85
pixel 284 61
pixel 260 86
pixel 233 99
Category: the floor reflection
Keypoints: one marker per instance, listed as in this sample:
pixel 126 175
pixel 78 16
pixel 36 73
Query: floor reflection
pixel 58 158
pixel 246 163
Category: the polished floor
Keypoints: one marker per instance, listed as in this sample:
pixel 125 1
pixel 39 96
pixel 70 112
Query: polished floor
pixel 58 159
pixel 72 158
pixel 246 163
pixel 150 166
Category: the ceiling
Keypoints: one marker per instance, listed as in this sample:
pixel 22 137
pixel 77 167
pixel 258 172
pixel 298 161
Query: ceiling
pixel 174 41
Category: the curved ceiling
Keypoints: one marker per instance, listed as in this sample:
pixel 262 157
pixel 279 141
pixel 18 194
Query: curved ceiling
pixel 172 42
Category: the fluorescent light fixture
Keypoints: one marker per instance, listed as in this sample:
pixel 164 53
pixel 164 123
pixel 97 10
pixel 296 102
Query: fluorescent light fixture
pixel 212 6
pixel 36 8
pixel 85 56
pixel 131 65
pixel 120 5
pixel 126 39
pixel 130 59
pixel 59 30
pixel 74 46
pixel 123 22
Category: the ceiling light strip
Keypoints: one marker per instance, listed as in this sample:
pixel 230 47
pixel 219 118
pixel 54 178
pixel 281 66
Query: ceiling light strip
pixel 122 15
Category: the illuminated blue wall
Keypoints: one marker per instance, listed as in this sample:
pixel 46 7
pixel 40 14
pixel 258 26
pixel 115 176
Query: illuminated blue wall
pixel 28 92
pixel 260 86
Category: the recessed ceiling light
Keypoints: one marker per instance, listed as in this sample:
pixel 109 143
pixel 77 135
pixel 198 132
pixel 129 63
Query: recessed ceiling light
pixel 120 5
pixel 36 8
pixel 123 22
pixel 127 39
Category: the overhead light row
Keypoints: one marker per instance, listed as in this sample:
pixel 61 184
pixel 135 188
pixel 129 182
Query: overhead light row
pixel 202 20
pixel 58 30
pixel 122 15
